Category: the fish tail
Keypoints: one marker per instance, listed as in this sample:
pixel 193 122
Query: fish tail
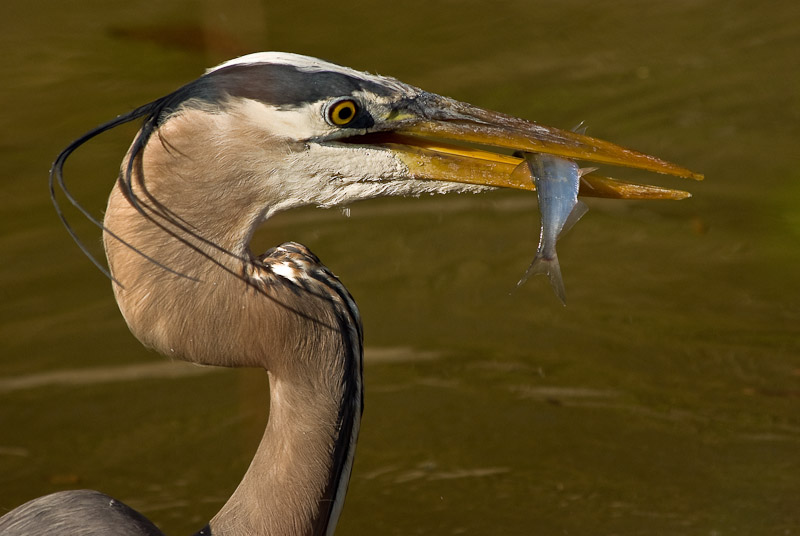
pixel 551 268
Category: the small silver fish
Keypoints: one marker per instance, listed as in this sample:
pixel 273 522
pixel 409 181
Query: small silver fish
pixel 557 181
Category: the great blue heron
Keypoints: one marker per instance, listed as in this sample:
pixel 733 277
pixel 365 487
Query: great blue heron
pixel 215 159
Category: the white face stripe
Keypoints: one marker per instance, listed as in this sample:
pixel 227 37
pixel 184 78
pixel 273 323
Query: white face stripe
pixel 315 65
pixel 301 123
pixel 304 63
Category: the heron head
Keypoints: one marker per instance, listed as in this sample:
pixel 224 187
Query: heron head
pixel 307 132
pixel 273 131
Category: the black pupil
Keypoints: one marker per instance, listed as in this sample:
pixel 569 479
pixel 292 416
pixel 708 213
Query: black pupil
pixel 345 112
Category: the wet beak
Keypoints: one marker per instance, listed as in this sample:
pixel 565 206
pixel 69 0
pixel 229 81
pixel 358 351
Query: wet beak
pixel 452 141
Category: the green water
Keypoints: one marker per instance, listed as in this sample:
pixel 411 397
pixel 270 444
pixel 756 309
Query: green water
pixel 663 400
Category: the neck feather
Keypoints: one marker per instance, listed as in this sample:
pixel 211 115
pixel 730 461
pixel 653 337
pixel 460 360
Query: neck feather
pixel 205 299
pixel 293 485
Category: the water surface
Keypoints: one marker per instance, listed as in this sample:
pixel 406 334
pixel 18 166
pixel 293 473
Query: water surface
pixel 663 400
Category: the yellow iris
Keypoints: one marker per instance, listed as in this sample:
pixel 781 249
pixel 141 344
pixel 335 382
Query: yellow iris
pixel 342 112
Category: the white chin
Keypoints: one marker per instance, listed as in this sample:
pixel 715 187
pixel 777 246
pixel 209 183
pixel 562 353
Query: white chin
pixel 397 188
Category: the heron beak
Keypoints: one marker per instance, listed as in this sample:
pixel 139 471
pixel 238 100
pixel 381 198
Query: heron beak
pixel 453 141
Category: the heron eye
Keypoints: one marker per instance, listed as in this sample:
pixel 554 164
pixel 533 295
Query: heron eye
pixel 342 112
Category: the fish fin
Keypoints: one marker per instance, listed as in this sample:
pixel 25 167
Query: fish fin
pixel 586 170
pixel 523 171
pixel 552 270
pixel 580 128
pixel 577 213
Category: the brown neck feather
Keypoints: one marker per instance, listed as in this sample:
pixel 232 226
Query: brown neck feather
pixel 206 300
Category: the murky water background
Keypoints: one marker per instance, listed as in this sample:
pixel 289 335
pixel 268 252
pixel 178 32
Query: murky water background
pixel 663 400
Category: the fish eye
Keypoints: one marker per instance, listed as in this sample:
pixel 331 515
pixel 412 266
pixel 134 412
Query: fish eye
pixel 342 112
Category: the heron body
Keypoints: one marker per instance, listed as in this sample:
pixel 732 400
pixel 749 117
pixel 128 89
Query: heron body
pixel 215 159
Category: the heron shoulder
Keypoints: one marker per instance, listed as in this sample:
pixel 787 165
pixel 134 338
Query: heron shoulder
pixel 76 512
pixel 294 264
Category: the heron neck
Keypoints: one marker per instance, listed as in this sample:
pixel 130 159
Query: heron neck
pixel 180 290
pixel 284 490
pixel 207 314
pixel 189 288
